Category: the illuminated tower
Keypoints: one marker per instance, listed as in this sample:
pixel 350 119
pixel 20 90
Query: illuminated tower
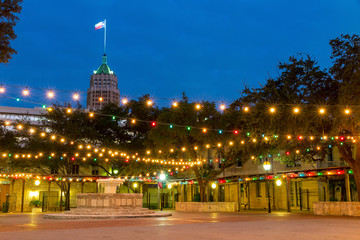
pixel 103 87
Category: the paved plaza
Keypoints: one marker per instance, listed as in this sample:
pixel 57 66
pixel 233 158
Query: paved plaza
pixel 187 226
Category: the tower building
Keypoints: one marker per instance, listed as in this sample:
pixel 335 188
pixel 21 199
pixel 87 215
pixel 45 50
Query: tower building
pixel 103 87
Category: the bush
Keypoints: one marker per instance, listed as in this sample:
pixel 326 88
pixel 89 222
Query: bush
pixel 35 203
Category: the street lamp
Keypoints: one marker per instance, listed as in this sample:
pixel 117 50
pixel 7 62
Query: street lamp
pixel 267 167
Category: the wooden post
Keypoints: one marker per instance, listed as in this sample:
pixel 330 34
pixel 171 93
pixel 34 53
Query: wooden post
pixel 48 197
pixel 248 188
pixel 22 196
pixel 158 196
pixel 327 195
pixel 288 194
pixel 301 199
pixel 82 187
pixel 273 197
pixel 61 196
pixel 12 206
pixel 308 199
pixel 238 195
pixel 347 186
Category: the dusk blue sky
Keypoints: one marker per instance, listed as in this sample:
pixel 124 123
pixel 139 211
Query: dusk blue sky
pixel 209 49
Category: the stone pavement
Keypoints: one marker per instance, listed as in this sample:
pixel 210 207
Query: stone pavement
pixel 248 226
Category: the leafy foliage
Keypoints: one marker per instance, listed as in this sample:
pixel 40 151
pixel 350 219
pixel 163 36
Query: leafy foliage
pixel 8 18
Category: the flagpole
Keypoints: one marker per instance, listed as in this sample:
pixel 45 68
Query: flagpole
pixel 105 38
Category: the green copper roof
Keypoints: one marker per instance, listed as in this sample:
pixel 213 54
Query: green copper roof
pixel 104 68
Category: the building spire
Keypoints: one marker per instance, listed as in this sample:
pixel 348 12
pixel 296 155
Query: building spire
pixel 104 59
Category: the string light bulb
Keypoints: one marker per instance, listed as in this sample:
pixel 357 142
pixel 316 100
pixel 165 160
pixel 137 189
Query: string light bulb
pixel 76 96
pixel 322 111
pixel 175 104
pixel 246 109
pixel 25 92
pixel 2 89
pixel 100 99
pixel 124 101
pixel 272 110
pixel 347 111
pixel 198 106
pixel 149 102
pixel 296 110
pixel 222 107
pixel 50 94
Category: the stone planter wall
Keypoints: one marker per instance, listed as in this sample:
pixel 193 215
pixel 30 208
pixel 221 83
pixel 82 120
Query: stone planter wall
pixel 109 200
pixel 209 207
pixel 337 208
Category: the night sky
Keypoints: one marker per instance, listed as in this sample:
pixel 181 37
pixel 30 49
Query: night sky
pixel 210 49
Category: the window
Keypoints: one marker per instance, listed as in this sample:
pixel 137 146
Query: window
pixel 75 169
pixel 329 154
pixel 239 163
pixel 258 189
pixel 95 172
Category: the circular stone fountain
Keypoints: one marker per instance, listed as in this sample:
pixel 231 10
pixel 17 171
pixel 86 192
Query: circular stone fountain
pixel 108 204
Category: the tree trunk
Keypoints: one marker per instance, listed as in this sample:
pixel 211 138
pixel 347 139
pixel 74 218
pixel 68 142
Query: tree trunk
pixel 67 196
pixel 202 188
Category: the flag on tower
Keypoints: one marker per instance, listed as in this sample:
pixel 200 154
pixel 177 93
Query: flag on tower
pixel 100 25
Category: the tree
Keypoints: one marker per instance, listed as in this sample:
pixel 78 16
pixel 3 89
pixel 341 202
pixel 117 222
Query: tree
pixel 108 129
pixel 8 18
pixel 215 150
pixel 302 84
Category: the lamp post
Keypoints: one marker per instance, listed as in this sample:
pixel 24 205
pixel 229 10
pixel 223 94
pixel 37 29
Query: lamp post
pixel 267 167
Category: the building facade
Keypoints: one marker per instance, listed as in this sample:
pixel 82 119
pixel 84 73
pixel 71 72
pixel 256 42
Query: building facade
pixel 103 87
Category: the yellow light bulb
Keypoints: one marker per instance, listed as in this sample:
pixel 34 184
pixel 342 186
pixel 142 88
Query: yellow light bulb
pixel 7 123
pixel 133 121
pixel 204 130
pixel 124 101
pixel 50 94
pixel 19 127
pixel 149 102
pixel 25 92
pixel 183 149
pixel 76 96
pixel 222 107
pixel 2 89
pixel 347 111
pixel 198 106
pixel 246 109
pixel 68 110
pixel 174 104
pixel 322 111
pixel 100 99
pixel 296 110
pixel 91 114
pixel 272 110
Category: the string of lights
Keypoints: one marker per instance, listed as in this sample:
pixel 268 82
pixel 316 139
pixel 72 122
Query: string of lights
pixel 155 177
pixel 222 105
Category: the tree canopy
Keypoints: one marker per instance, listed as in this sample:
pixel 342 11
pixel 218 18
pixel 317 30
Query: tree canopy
pixel 9 9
